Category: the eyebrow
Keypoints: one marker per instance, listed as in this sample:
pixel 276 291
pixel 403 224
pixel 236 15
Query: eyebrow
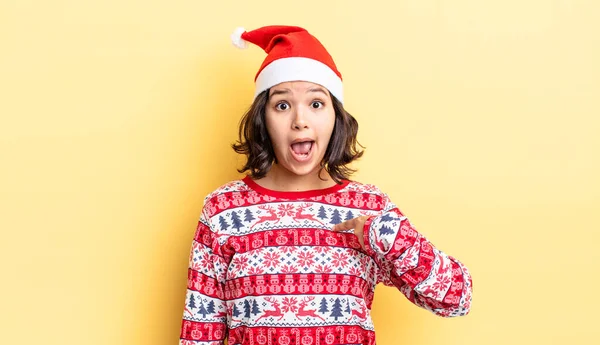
pixel 317 89
pixel 287 91
pixel 280 92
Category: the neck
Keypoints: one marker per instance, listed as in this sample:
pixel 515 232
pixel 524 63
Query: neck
pixel 282 180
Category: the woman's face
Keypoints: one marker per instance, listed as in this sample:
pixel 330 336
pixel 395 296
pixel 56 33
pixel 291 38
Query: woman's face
pixel 300 119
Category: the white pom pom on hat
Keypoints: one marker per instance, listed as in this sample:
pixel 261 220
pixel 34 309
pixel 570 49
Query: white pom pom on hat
pixel 292 54
pixel 237 40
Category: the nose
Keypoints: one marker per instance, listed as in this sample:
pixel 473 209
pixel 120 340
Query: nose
pixel 299 120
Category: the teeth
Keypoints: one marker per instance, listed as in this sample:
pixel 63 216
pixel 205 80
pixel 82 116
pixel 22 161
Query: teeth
pixel 303 155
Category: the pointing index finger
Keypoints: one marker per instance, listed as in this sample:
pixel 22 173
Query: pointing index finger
pixel 344 225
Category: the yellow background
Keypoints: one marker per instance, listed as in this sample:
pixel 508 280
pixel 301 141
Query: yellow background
pixel 480 118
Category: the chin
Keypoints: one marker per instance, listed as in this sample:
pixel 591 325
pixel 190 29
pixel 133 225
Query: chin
pixel 301 170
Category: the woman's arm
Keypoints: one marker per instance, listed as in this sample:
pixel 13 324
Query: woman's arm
pixel 427 276
pixel 205 312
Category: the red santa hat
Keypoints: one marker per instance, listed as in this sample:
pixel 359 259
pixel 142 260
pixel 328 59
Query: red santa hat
pixel 293 54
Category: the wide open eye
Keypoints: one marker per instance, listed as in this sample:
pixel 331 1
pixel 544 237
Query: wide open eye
pixel 317 104
pixel 282 106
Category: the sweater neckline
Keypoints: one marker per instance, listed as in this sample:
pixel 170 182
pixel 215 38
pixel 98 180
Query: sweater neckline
pixel 293 194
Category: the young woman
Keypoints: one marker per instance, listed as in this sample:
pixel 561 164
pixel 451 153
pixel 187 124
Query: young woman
pixel 292 252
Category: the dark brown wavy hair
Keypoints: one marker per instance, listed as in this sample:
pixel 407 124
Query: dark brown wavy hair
pixel 255 143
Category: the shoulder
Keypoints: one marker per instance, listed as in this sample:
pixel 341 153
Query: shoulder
pixel 224 197
pixel 365 195
pixel 217 201
pixel 368 188
pixel 226 188
pixel 226 191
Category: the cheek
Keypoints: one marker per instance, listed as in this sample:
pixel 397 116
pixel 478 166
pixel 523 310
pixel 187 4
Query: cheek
pixel 275 132
pixel 327 140
pixel 327 127
pixel 277 141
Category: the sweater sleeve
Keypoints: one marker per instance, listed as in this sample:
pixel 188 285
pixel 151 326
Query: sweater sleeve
pixel 205 312
pixel 428 277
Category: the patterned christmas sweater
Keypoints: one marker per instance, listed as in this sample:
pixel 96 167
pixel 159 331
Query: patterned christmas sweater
pixel 265 267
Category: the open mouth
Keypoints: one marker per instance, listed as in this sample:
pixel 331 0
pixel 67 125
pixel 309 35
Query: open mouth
pixel 302 150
